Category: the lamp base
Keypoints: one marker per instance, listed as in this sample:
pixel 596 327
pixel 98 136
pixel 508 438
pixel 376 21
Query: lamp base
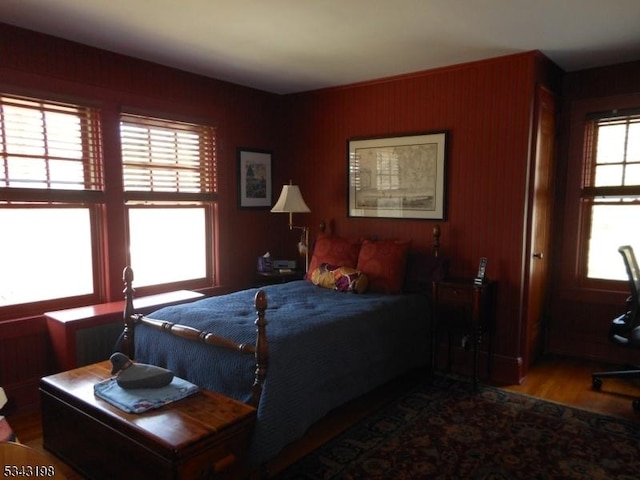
pixel 303 244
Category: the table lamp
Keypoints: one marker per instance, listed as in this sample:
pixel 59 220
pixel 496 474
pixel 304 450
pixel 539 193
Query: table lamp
pixel 291 202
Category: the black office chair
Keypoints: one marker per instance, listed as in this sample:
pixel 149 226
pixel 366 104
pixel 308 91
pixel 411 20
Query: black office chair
pixel 625 329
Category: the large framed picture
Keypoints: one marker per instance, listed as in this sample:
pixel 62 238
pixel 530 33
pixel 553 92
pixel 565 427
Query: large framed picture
pixel 398 177
pixel 254 178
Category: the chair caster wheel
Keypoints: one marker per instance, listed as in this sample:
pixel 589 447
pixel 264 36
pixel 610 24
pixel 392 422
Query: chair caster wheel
pixel 636 405
pixel 597 383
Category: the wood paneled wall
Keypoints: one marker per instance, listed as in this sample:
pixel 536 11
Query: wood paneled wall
pixel 486 107
pixel 25 356
pixel 581 317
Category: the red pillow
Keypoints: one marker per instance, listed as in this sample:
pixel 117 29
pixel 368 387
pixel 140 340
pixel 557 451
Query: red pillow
pixel 384 262
pixel 334 250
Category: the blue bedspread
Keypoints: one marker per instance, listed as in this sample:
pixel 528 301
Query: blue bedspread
pixel 325 348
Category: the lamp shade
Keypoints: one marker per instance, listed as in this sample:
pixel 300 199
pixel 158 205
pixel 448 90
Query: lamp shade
pixel 290 201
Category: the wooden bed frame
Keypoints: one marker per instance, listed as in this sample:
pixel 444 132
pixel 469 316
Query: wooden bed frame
pixel 261 348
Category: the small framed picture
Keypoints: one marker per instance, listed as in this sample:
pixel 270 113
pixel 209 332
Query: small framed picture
pixel 254 178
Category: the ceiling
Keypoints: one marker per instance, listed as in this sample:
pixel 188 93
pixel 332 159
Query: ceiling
pixel 286 46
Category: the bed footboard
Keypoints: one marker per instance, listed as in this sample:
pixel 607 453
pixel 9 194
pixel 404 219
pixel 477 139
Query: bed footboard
pixel 259 350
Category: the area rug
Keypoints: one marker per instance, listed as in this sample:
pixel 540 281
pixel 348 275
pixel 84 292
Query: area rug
pixel 441 429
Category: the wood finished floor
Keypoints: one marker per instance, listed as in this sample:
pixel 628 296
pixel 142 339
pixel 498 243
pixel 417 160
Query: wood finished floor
pixel 561 380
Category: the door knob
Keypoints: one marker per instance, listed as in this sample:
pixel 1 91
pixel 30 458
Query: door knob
pixel 538 255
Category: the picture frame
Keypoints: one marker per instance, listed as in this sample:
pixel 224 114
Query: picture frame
pixel 255 186
pixel 398 177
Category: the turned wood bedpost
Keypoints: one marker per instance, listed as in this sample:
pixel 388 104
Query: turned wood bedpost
pixel 127 344
pixel 262 350
pixel 436 240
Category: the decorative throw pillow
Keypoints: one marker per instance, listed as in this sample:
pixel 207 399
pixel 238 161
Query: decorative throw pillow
pixel 323 277
pixel 343 279
pixel 334 250
pixel 384 262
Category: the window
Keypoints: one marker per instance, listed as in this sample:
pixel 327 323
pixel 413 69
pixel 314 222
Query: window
pixel 611 192
pixel 51 189
pixel 169 177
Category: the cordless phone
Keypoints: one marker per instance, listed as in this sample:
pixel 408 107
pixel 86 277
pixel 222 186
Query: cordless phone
pixel 481 278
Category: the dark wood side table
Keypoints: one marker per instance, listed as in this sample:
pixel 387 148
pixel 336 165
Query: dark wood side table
pixel 462 306
pixel 205 435
pixel 276 276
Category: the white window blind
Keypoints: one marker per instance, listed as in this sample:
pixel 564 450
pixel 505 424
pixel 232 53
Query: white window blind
pixel 48 145
pixel 169 157
pixel 613 150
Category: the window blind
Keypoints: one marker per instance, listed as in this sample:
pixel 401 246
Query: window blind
pixel 167 157
pixel 612 144
pixel 48 145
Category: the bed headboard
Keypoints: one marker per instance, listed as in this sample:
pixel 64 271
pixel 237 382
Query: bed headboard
pixel 435 245
pixel 435 249
pixel 422 268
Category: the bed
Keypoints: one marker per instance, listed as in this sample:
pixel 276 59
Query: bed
pixel 310 347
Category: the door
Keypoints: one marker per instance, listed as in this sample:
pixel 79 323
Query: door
pixel 538 253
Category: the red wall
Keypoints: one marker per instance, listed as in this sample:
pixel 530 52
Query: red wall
pixel 486 107
pixel 25 357
pixel 581 317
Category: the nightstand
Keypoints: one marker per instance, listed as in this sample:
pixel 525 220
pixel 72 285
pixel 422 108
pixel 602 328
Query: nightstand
pixel 460 306
pixel 276 276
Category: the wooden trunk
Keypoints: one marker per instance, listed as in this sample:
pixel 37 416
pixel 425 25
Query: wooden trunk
pixel 206 435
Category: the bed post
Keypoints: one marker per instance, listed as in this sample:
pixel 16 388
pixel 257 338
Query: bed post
pixel 436 240
pixel 127 344
pixel 262 355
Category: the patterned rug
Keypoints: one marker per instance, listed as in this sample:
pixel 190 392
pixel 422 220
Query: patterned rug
pixel 442 430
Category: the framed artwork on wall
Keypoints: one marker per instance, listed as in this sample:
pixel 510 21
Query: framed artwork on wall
pixel 397 177
pixel 254 178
